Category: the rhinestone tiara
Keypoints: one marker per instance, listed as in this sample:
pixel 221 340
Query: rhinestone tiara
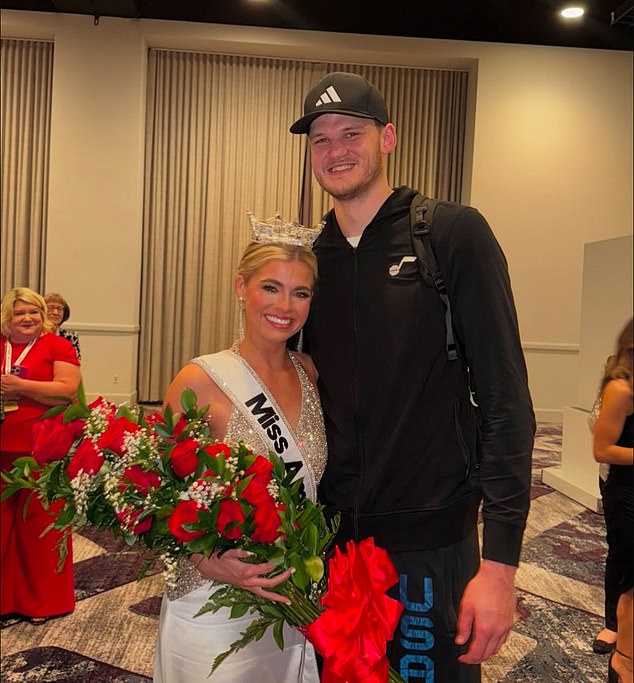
pixel 276 229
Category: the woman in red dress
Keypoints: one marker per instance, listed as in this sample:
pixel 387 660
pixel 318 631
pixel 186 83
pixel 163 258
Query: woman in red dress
pixel 38 367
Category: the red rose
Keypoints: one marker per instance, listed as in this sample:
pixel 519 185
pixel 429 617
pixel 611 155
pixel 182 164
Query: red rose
pixel 230 511
pixel 261 468
pixel 86 458
pixel 128 517
pixel 179 426
pixel 184 458
pixel 256 491
pixel 186 512
pixel 154 418
pixel 52 438
pixel 106 408
pixel 141 480
pixel 112 438
pixel 157 418
pixel 217 448
pixel 267 523
pixel 256 494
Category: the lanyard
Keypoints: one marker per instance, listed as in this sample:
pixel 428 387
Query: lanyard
pixel 8 352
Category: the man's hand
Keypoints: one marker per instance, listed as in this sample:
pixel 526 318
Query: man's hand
pixel 487 611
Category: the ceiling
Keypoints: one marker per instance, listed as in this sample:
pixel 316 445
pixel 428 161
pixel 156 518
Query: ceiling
pixel 607 24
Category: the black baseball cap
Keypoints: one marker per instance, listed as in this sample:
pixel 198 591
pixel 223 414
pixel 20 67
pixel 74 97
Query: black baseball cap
pixel 342 93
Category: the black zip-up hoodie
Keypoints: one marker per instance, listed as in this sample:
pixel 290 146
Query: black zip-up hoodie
pixel 405 463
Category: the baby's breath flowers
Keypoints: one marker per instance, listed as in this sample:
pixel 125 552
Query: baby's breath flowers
pixel 163 481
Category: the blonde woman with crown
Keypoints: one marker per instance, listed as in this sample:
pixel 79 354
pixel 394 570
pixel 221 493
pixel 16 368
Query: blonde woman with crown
pixel 274 285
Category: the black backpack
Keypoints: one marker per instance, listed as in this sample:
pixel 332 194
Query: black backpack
pixel 421 214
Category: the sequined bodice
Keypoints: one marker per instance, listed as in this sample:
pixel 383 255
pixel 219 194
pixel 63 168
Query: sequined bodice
pixel 310 437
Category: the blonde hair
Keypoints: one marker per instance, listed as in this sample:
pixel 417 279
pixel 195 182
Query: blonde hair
pixel 257 255
pixel 28 296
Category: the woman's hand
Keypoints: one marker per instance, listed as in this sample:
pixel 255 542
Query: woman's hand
pixel 230 568
pixel 61 389
pixel 10 387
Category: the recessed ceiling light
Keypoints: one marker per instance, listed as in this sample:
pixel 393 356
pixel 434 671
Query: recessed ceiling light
pixel 572 12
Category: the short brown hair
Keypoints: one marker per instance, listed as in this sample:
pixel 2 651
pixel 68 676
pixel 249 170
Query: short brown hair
pixel 55 298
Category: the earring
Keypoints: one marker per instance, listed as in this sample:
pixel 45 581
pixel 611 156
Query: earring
pixel 240 319
pixel 300 340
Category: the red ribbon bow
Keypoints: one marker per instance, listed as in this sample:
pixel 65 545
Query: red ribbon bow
pixel 358 620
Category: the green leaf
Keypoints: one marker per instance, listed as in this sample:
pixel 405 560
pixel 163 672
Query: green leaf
pixel 254 631
pixel 312 539
pixel 269 609
pixel 55 410
pixel 189 401
pixel 26 460
pixel 124 411
pixel 221 658
pixel 164 431
pixel 278 633
pixel 75 412
pixel 81 394
pixel 238 611
pixel 65 517
pixel 300 577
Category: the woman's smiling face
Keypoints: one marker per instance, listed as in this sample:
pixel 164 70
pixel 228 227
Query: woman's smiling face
pixel 276 299
pixel 26 323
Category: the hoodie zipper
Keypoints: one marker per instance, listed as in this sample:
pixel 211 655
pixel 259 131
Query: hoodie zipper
pixel 355 502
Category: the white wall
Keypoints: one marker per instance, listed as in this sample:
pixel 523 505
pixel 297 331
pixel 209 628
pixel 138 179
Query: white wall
pixel 606 305
pixel 95 202
pixel 551 170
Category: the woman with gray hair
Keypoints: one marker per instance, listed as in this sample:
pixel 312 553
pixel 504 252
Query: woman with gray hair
pixel 58 312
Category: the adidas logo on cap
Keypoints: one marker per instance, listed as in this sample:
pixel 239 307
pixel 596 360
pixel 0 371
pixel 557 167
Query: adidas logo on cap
pixel 342 93
pixel 328 96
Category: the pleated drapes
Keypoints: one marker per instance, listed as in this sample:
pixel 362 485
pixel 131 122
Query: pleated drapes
pixel 217 145
pixel 26 72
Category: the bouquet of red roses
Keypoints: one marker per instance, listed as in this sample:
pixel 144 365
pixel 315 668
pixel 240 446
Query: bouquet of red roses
pixel 163 481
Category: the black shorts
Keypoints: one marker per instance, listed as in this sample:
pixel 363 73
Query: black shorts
pixel 431 586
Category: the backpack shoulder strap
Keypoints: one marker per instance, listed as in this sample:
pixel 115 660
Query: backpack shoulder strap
pixel 421 214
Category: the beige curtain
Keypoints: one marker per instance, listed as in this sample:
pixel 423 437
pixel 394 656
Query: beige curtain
pixel 26 72
pixel 217 145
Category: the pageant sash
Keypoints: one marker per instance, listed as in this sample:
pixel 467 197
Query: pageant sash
pixel 240 383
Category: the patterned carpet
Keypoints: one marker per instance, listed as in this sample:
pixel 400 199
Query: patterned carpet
pixel 110 636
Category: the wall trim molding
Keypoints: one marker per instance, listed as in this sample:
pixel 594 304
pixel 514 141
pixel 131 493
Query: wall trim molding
pixel 550 347
pixel 550 415
pixel 105 329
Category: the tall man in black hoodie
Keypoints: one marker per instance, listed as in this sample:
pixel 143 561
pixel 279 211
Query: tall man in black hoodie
pixel 409 460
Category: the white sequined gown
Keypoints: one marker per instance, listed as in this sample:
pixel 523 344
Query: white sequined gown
pixel 187 646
